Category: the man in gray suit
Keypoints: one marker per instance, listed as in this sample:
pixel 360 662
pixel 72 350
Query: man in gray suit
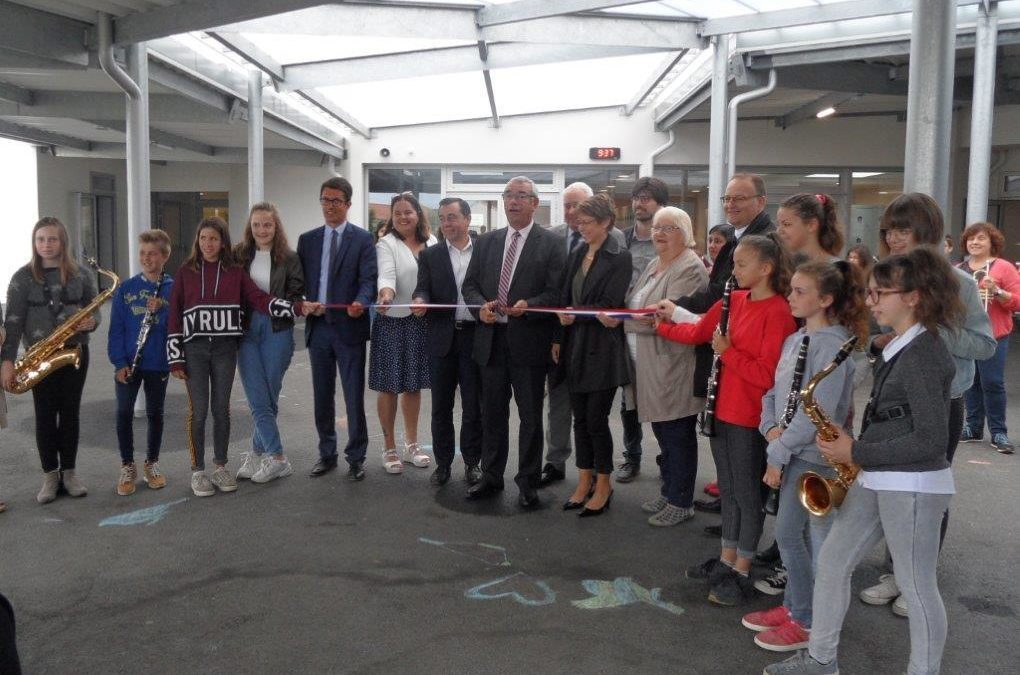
pixel 558 417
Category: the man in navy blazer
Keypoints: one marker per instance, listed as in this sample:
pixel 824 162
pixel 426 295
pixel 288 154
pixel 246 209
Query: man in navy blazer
pixel 513 347
pixel 339 264
pixel 451 336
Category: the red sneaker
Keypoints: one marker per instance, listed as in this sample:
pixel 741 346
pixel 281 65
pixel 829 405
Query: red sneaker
pixel 712 489
pixel 787 638
pixel 767 619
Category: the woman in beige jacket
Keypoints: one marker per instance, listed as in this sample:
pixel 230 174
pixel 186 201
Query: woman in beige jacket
pixel 3 401
pixel 665 370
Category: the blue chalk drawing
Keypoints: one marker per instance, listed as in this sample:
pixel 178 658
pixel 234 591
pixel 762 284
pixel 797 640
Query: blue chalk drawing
pixel 621 592
pixel 149 516
pixel 511 584
pixel 490 554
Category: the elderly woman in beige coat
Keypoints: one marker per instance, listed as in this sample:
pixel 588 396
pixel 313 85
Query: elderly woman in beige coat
pixel 3 401
pixel 665 370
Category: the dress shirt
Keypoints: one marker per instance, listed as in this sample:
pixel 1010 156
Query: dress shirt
pixel 325 262
pixel 459 259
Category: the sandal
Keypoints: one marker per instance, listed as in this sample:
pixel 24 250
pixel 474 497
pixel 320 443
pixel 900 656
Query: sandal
pixel 413 454
pixel 391 461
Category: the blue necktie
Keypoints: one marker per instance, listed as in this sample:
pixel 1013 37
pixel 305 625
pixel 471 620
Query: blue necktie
pixel 334 246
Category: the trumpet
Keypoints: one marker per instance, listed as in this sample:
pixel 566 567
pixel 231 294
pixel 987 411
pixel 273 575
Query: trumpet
pixel 979 277
pixel 819 494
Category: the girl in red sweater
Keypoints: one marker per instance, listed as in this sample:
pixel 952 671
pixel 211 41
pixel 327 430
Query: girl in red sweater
pixel 210 292
pixel 760 320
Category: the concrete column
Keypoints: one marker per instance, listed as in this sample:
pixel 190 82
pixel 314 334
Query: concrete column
pixel 930 99
pixel 982 114
pixel 717 169
pixel 256 168
pixel 138 192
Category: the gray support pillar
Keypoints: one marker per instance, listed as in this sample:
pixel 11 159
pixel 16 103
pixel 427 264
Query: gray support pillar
pixel 982 114
pixel 930 99
pixel 139 197
pixel 846 186
pixel 256 181
pixel 717 171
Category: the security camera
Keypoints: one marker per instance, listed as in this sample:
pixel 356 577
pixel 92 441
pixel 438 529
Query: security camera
pixel 384 152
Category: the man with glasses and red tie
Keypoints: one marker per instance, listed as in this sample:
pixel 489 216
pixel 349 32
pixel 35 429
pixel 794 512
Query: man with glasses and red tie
pixel 512 269
pixel 340 268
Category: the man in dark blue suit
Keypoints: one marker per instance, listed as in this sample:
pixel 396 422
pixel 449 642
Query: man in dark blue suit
pixel 451 336
pixel 512 269
pixel 340 268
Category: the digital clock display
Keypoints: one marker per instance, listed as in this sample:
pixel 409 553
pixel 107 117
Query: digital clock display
pixel 603 153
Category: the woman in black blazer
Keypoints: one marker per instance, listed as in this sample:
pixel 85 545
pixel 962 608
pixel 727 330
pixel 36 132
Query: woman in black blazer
pixel 590 355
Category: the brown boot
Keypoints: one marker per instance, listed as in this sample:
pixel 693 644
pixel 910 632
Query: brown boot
pixel 128 476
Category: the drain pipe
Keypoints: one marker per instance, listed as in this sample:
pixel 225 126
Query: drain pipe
pixel 731 134
pixel 137 90
pixel 648 166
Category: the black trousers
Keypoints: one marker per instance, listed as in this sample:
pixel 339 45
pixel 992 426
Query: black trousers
pixel 957 413
pixel 592 437
pixel 57 402
pixel 457 369
pixel 9 663
pixel 501 378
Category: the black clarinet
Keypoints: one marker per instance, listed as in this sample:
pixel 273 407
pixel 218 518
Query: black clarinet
pixel 792 401
pixel 706 421
pixel 148 321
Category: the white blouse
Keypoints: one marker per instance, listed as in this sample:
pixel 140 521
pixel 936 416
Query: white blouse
pixel 398 269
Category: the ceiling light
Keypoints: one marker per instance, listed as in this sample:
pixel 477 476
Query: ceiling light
pixel 825 113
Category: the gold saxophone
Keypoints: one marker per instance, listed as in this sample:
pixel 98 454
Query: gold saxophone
pixel 819 494
pixel 49 354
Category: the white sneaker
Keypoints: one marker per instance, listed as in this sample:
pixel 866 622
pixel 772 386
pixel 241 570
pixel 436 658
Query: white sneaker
pixel 882 593
pixel 223 481
pixel 899 606
pixel 249 465
pixel 271 469
pixel 201 485
pixel 655 505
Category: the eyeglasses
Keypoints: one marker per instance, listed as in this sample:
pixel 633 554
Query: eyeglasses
pixel 332 202
pixel 737 199
pixel 586 222
pixel 875 294
pixel 518 196
pixel 897 233
pixel 666 229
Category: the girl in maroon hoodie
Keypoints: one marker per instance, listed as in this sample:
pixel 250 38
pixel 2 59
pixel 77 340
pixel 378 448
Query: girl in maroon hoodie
pixel 210 293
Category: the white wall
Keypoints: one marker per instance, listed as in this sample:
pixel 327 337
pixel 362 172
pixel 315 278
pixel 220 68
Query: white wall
pixel 21 209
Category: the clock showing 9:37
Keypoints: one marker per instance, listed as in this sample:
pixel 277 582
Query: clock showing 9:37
pixel 603 153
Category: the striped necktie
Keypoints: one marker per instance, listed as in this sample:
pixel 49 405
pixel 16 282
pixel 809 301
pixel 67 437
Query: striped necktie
pixel 506 273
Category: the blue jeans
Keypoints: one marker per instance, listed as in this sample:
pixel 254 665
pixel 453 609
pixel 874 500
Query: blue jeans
pixel 155 383
pixel 263 358
pixel 987 396
pixel 678 441
pixel 800 536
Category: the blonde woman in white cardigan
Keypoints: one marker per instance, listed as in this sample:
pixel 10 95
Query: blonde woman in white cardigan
pixel 398 365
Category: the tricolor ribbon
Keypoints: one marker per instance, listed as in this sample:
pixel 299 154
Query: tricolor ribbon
pixel 624 313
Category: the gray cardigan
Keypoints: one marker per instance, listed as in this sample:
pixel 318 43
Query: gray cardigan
pixel 918 377
pixel 971 342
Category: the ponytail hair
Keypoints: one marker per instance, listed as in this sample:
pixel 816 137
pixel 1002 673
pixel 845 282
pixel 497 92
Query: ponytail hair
pixel 769 250
pixel 845 285
pixel 928 272
pixel 820 208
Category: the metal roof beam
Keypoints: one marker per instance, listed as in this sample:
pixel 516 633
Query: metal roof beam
pixel 653 81
pixel 851 77
pixel 222 156
pixel 336 111
pixel 162 137
pixel 452 23
pixel 250 52
pixel 21 132
pixel 811 110
pixel 681 109
pixel 815 14
pixel 91 105
pixel 483 55
pixel 439 61
pixel 527 10
pixel 15 94
pixel 29 34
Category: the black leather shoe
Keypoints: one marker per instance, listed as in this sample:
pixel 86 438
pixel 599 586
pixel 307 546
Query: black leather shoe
pixel 550 475
pixel 482 490
pixel 708 505
pixel 441 476
pixel 713 530
pixel 356 471
pixel 473 474
pixel 590 513
pixel 627 472
pixel 323 466
pixel 528 499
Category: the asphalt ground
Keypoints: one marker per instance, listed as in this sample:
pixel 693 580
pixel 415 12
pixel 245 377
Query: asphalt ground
pixel 391 575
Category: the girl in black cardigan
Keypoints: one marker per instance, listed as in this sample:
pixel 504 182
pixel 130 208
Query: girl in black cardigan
pixel 905 483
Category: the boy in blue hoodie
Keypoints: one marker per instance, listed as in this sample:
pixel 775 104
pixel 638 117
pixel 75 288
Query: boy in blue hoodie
pixel 145 292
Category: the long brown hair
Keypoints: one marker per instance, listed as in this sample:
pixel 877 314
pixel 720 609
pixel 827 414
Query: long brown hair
pixel 928 272
pixel 245 250
pixel 845 285
pixel 422 231
pixel 226 252
pixel 769 250
pixel 68 267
